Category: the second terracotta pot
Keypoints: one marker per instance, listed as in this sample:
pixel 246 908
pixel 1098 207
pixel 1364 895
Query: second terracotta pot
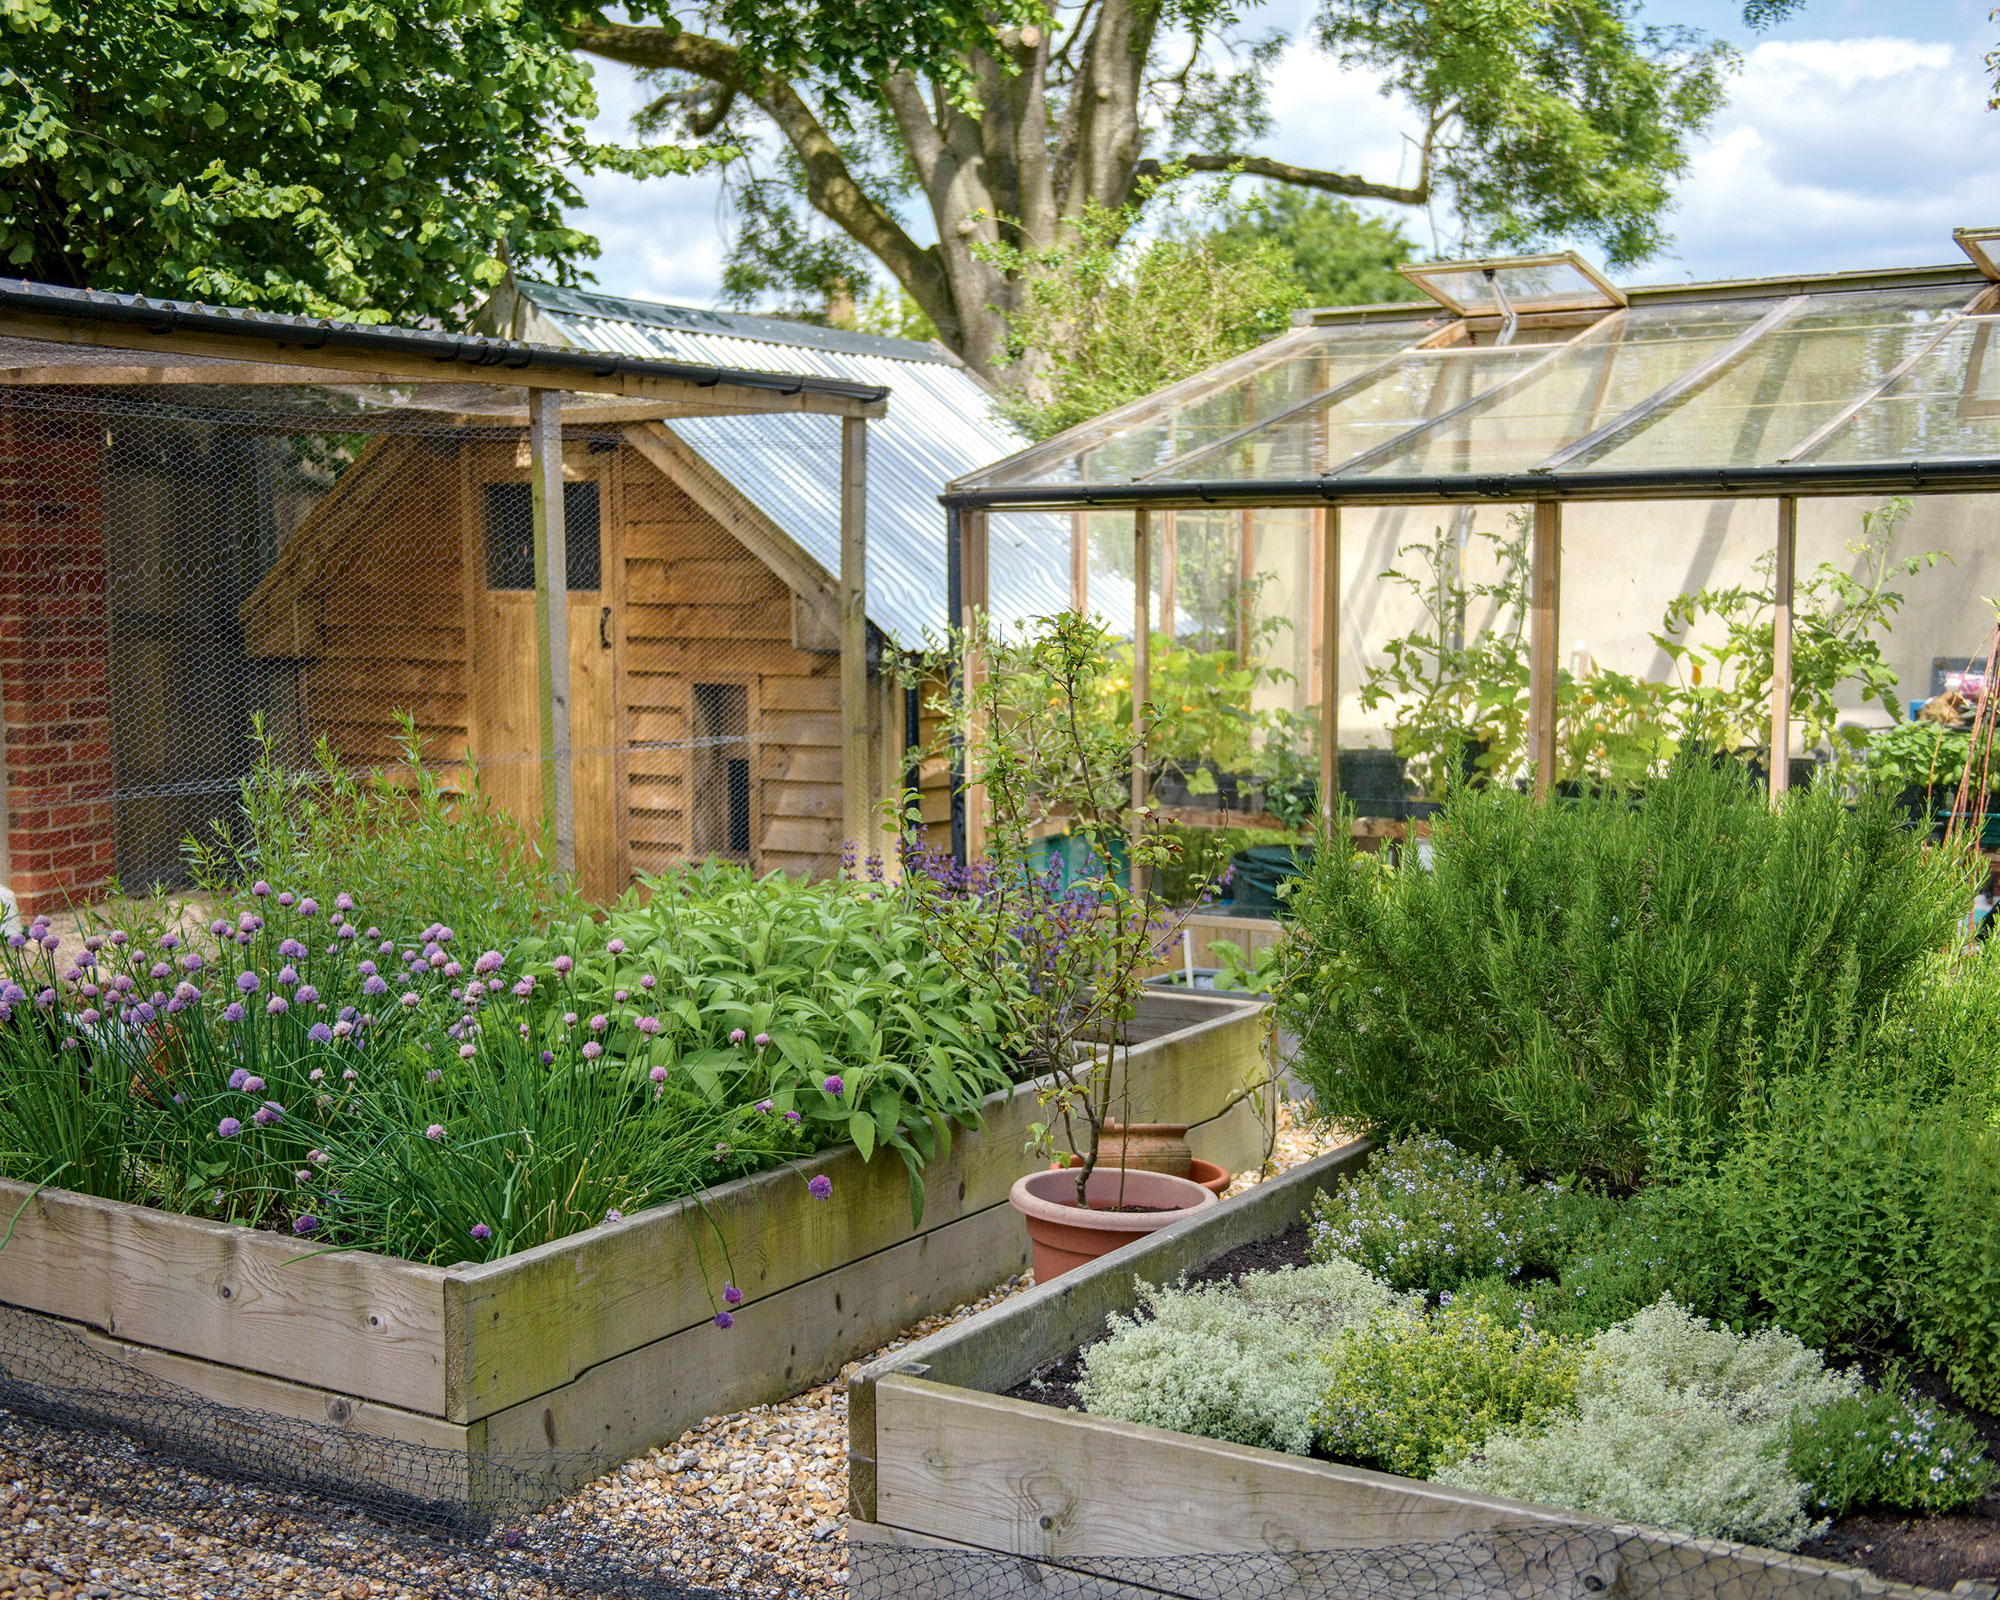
pixel 1065 1235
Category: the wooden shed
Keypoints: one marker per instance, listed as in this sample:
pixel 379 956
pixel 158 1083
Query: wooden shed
pixel 703 645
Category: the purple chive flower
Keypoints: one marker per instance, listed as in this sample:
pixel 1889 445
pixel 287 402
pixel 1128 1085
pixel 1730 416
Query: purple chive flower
pixel 93 943
pixel 374 933
pixel 761 1040
pixel 649 1026
pixel 548 1058
pixel 409 1000
pixel 246 982
pixel 320 1033
pixel 191 962
pixel 277 1006
pixel 238 1078
pixel 563 963
pixel 307 995
pixel 647 981
pixel 821 1188
pixel 622 995
pixel 347 932
pixel 616 947
pixel 186 993
pixel 253 1085
pixel 834 1085
pixel 232 1012
pixel 569 1019
pixel 599 1022
pixel 481 1232
pixel 144 1012
pixel 46 999
pixel 592 1050
pixel 365 968
pixel 489 962
pixel 218 927
pixel 288 974
pixel 343 901
pixel 285 898
pixel 724 1320
pixel 266 1114
pixel 305 1225
pixel 161 970
pixel 731 1295
pixel 467 1051
pixel 658 1074
pixel 85 960
pixel 302 1177
pixel 524 988
pixel 374 983
pixel 614 1215
pixel 292 950
pixel 309 907
pixel 737 1036
pixel 435 1131
pixel 791 1116
pixel 765 1106
pixel 260 888
pixel 228 1128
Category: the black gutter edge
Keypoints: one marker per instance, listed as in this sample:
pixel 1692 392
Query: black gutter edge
pixel 476 350
pixel 1669 483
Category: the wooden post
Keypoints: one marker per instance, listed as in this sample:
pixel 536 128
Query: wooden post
pixel 1246 574
pixel 1544 608
pixel 1170 571
pixel 972 618
pixel 856 713
pixel 1142 648
pixel 1326 541
pixel 545 478
pixel 1079 562
pixel 1781 647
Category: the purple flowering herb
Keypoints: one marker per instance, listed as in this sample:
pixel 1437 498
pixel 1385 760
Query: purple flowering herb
pixel 409 1000
pixel 724 1320
pixel 569 1019
pixel 548 1058
pixel 365 968
pixel 253 1085
pixel 821 1187
pixel 288 974
pixel 434 1132
pixel 731 1295
pixel 260 888
pixel 232 1012
pixel 467 1051
pixel 302 1177
pixel 305 1225
pixel 374 983
pixel 347 932
pixel 737 1035
pixel 564 963
pixel 614 1215
pixel 246 982
pixel 161 970
pixel 85 960
pixel 191 962
pixel 765 1106
pixel 228 1128
pixel 622 995
pixel 145 1012
pixel 266 1114
pixel 658 1074
pixel 343 901
pixel 308 907
pixel 320 1033
pixel 238 1078
pixel 481 1232
pixel 489 962
pixel 791 1116
pixel 285 898
pixel 349 1075
pixel 615 946
pixel 834 1085
pixel 307 995
pixel 316 1075
pixel 46 999
pixel 277 1006
pixel 599 1022
pixel 592 1050
pixel 649 1026
pixel 292 950
pixel 374 933
pixel 762 1040
pixel 647 981
pixel 93 944
pixel 524 988
pixel 218 927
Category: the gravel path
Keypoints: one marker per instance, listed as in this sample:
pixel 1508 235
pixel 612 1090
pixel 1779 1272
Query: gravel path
pixel 753 1504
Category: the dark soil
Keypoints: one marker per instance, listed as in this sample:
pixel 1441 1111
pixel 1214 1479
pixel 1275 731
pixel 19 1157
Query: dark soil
pixel 1934 1552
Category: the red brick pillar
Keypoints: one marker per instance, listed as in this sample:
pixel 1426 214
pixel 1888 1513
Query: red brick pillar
pixel 55 653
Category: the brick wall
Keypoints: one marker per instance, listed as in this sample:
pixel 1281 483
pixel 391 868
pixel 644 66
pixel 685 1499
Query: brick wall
pixel 55 657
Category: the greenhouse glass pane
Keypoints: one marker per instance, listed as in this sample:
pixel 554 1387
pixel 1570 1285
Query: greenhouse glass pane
pixel 1790 383
pixel 1291 369
pixel 1597 380
pixel 1528 287
pixel 1423 384
pixel 1945 408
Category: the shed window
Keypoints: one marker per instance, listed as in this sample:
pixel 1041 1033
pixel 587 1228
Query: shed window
pixel 510 535
pixel 719 770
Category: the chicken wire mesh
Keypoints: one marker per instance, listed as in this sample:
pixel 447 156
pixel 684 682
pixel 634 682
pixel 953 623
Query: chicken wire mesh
pixel 352 572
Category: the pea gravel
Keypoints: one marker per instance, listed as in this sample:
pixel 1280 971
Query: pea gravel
pixel 751 1504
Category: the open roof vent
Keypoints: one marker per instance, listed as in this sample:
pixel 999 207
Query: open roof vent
pixel 1515 285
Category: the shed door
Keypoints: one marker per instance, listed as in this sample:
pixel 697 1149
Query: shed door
pixel 505 683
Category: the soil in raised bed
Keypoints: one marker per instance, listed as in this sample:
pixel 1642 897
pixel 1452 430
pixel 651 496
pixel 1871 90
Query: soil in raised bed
pixel 1934 1552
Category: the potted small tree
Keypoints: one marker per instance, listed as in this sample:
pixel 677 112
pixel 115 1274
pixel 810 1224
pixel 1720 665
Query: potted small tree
pixel 1076 951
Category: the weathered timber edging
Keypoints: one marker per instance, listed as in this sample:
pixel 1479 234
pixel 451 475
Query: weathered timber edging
pixel 600 1345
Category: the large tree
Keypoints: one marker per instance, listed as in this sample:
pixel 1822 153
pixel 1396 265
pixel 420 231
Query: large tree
pixel 1532 119
pixel 372 158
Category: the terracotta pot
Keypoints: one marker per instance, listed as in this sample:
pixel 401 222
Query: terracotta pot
pixel 1146 1147
pixel 1065 1235
pixel 1210 1176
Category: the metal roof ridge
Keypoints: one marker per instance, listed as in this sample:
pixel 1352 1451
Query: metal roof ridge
pixel 480 350
pixel 735 324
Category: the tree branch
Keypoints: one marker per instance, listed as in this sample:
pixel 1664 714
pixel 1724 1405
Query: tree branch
pixel 1304 177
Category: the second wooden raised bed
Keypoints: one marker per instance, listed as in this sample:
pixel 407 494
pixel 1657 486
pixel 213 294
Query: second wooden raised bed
pixel 582 1353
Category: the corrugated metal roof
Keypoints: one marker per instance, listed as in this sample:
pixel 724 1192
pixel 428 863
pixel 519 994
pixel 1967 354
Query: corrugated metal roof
pixel 940 426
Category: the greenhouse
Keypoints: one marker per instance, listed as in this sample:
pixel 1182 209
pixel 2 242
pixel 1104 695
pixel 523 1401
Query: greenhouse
pixel 1644 444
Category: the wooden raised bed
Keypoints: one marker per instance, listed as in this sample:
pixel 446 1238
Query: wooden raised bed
pixel 594 1348
pixel 955 1488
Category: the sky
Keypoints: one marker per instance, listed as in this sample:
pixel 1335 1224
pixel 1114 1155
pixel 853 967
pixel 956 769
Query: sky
pixel 1856 135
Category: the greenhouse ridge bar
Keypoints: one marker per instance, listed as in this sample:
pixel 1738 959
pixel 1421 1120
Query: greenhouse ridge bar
pixel 1533 381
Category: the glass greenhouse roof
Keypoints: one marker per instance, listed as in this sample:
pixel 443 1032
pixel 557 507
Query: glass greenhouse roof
pixel 1798 381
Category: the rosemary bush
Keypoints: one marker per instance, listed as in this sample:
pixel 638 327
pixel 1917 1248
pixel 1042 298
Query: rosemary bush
pixel 1580 983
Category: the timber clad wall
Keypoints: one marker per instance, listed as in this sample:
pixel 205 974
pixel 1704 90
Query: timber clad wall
pixel 55 655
